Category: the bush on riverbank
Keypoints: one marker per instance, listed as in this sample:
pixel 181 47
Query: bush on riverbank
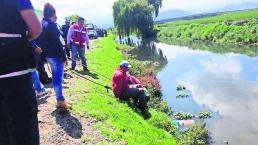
pixel 195 135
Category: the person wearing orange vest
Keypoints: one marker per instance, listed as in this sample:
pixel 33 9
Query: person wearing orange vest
pixel 78 36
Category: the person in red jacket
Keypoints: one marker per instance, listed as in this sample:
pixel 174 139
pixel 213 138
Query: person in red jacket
pixel 126 86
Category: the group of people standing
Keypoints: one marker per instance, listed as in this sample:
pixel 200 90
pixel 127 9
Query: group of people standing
pixel 23 42
pixel 52 49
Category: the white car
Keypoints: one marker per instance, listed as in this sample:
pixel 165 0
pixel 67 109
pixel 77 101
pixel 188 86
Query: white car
pixel 92 34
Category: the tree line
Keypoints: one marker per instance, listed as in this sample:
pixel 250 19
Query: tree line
pixel 135 16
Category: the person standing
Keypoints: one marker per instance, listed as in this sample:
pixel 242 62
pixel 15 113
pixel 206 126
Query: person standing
pixel 18 105
pixel 79 38
pixel 65 29
pixel 51 44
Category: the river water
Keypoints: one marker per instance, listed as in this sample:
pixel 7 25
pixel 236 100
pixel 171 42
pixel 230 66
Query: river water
pixel 220 79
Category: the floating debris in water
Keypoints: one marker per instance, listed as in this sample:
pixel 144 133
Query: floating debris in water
pixel 205 115
pixel 181 88
pixel 182 96
pixel 183 115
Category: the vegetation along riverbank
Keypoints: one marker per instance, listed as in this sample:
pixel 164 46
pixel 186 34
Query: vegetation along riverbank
pixel 228 28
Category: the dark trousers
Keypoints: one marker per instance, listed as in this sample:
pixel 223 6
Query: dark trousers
pixel 67 49
pixel 18 112
pixel 43 77
pixel 137 95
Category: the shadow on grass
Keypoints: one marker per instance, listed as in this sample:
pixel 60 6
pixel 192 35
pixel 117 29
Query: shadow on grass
pixel 145 114
pixel 68 122
pixel 88 73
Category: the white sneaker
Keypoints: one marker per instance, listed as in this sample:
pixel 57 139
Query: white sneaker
pixel 43 91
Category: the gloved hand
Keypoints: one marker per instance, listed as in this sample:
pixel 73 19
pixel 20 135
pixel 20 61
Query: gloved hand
pixel 88 47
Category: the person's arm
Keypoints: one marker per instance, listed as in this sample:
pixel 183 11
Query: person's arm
pixel 69 35
pixel 28 14
pixel 117 81
pixel 35 47
pixel 136 82
pixel 87 40
pixel 55 37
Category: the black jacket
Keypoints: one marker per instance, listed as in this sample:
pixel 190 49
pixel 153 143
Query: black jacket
pixel 65 29
pixel 16 54
pixel 50 40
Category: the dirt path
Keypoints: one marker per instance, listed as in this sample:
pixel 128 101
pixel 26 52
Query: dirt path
pixel 61 127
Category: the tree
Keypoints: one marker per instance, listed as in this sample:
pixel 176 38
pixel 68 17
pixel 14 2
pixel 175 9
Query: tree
pixel 135 16
pixel 156 4
pixel 74 18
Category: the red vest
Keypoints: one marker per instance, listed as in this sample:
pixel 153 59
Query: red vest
pixel 79 37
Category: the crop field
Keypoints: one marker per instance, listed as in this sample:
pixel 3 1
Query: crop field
pixel 235 16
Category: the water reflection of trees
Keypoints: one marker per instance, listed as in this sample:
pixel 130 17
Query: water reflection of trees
pixel 249 50
pixel 145 50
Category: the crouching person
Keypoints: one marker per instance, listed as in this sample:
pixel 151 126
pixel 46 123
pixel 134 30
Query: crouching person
pixel 126 87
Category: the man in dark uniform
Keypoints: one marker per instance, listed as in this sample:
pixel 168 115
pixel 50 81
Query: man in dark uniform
pixel 18 106
pixel 65 29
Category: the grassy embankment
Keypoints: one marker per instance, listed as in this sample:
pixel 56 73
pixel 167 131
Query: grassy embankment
pixel 216 29
pixel 116 120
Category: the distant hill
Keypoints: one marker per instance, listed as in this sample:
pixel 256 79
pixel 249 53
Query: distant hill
pixel 173 13
pixel 244 6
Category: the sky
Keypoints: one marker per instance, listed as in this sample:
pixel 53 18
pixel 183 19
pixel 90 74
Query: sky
pixel 100 11
pixel 196 6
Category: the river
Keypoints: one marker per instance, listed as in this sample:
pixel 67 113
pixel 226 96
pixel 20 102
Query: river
pixel 220 79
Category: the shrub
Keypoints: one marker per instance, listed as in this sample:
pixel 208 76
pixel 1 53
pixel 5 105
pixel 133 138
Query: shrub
pixel 153 86
pixel 162 121
pixel 196 135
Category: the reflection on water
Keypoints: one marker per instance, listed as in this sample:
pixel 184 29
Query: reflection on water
pixel 249 50
pixel 145 50
pixel 226 84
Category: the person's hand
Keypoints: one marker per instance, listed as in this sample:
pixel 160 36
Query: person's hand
pixel 65 62
pixel 88 47
pixel 38 50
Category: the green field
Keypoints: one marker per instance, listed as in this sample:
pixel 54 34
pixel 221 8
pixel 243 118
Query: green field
pixel 239 15
pixel 214 29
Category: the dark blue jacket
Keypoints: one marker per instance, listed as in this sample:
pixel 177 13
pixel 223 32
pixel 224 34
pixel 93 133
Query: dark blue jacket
pixel 16 54
pixel 50 40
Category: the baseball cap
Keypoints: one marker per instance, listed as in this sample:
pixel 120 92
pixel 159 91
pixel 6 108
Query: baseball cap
pixel 125 63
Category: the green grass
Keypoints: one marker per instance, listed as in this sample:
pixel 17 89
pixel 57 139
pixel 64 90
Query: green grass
pixel 116 120
pixel 239 15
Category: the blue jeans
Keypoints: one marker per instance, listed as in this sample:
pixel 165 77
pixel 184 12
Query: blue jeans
pixel 57 67
pixel 36 82
pixel 81 52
